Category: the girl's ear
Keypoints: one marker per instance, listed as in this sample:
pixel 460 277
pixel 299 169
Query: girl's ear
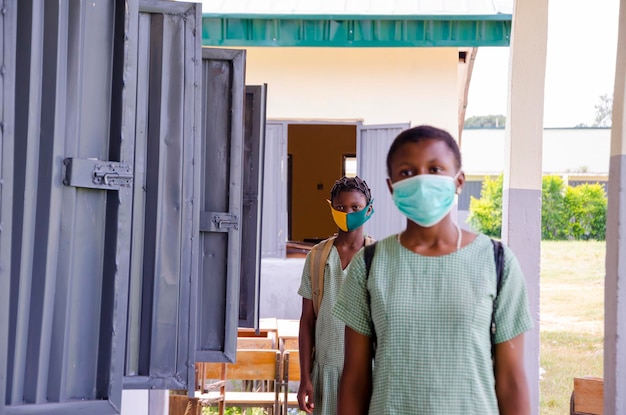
pixel 460 182
pixel 389 185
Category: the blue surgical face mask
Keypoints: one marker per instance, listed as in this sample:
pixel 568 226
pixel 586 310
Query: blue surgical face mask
pixel 425 199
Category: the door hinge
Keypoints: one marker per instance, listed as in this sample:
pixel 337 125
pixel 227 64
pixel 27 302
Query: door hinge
pixel 97 174
pixel 218 222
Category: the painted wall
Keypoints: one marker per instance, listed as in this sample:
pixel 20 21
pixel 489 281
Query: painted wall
pixel 317 161
pixel 375 85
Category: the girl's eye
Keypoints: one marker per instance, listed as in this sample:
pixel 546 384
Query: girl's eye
pixel 406 173
pixel 436 170
pixel 339 208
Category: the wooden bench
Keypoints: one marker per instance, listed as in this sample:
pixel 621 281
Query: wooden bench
pixel 587 397
pixel 251 364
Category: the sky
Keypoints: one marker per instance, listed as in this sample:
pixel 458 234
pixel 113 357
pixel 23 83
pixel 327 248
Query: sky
pixel 580 64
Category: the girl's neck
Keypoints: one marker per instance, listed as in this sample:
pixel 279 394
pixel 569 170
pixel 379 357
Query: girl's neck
pixel 353 238
pixel 445 232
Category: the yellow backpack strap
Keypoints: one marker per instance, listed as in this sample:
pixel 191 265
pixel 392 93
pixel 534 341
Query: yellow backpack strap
pixel 319 256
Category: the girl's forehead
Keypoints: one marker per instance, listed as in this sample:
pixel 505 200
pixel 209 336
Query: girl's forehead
pixel 424 149
pixel 350 195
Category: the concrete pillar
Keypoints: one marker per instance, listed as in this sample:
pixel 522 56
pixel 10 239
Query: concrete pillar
pixel 615 282
pixel 521 205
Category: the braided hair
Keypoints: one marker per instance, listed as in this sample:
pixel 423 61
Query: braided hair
pixel 349 184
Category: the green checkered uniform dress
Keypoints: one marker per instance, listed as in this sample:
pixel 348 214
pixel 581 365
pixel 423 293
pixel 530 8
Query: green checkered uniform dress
pixel 329 335
pixel 431 317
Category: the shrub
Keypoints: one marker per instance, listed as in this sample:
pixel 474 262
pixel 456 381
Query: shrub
pixel 553 219
pixel 486 213
pixel 586 211
pixel 566 212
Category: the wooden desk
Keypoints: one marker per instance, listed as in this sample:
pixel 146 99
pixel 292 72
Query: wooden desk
pixel 288 334
pixel 267 328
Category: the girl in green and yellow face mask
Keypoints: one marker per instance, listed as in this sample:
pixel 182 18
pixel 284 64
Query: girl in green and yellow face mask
pixel 321 334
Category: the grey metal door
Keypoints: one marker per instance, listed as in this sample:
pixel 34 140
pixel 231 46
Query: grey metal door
pixel 165 89
pixel 253 167
pixel 373 142
pixel 66 205
pixel 221 199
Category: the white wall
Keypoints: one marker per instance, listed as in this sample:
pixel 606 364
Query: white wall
pixel 375 85
pixel 280 280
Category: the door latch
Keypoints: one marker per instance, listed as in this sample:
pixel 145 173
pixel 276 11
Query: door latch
pixel 218 222
pixel 97 174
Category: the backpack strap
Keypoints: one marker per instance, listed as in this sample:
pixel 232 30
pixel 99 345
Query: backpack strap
pixel 498 253
pixel 319 256
pixel 368 256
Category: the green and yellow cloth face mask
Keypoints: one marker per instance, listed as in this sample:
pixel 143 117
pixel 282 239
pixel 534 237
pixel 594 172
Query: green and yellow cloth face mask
pixel 350 221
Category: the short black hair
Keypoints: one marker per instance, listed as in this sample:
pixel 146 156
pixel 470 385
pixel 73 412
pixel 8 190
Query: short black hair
pixel 421 133
pixel 349 184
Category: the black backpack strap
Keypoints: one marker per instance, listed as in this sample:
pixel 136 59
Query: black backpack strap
pixel 498 254
pixel 368 256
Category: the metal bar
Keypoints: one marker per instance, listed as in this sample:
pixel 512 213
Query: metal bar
pixel 150 382
pixel 32 19
pixel 57 368
pixel 139 195
pixel 8 28
pixel 185 368
pixel 195 97
pixel 49 195
pixel 65 408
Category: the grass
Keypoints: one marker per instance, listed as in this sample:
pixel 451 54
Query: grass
pixel 572 319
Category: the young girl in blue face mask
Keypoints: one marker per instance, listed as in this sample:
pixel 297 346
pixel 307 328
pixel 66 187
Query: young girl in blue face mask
pixel 427 302
pixel 321 334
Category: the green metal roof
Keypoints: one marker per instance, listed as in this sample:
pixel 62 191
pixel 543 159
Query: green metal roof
pixel 356 23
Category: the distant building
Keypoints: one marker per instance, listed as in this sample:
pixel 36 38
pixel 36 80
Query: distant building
pixel 578 155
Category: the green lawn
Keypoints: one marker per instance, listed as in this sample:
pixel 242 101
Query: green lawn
pixel 572 319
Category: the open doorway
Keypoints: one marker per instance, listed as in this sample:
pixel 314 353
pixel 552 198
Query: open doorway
pixel 318 155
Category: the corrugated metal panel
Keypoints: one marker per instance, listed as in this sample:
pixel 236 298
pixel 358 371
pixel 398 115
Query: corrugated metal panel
pixel 356 31
pixel 64 271
pixel 221 194
pixel 357 7
pixel 163 274
pixel 373 142
pixel 357 23
pixel 274 236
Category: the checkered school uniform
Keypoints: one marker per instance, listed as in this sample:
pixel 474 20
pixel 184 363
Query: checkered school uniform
pixel 431 318
pixel 329 335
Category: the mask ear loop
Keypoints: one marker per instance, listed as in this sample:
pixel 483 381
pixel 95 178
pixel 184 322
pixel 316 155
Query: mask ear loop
pixel 456 176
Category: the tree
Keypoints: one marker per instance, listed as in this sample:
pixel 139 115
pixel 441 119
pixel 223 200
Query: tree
pixel 604 111
pixel 485 121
